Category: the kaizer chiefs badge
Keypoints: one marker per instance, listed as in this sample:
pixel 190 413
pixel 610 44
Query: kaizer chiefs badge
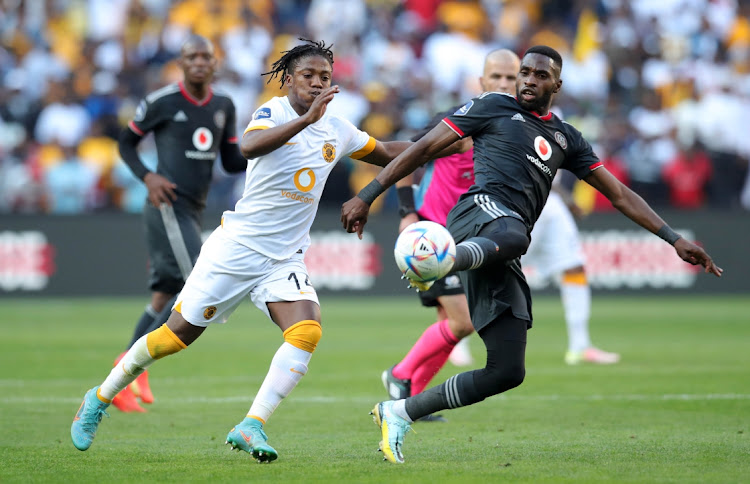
pixel 329 152
pixel 209 312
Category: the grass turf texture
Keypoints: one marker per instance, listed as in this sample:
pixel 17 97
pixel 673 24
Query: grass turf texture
pixel 676 409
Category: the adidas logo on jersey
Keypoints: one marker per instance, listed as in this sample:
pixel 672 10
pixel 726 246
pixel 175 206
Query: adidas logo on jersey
pixel 180 116
pixel 518 117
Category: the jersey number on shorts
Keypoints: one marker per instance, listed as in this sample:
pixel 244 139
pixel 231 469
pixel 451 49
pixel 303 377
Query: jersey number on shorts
pixel 292 275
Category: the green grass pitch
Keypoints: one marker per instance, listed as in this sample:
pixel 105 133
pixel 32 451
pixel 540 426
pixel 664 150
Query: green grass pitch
pixel 676 409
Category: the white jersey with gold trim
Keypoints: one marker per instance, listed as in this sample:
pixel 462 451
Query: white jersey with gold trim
pixel 283 188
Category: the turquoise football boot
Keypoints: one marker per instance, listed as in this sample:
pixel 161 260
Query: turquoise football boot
pixel 392 428
pixel 248 435
pixel 87 420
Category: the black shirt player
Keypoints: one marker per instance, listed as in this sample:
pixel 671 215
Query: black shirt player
pixel 192 126
pixel 518 147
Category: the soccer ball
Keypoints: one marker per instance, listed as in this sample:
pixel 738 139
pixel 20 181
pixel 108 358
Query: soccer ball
pixel 425 251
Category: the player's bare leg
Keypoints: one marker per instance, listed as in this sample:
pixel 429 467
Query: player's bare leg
pixel 300 323
pixel 168 339
pixel 127 399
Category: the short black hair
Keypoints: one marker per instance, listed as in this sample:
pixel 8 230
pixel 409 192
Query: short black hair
pixel 546 50
pixel 288 61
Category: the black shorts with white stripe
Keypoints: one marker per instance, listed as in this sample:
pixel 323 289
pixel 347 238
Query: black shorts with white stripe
pixel 173 240
pixel 473 212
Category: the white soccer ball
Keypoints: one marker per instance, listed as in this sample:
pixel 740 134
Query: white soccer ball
pixel 425 251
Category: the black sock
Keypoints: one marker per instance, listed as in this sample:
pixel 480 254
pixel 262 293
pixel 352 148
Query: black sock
pixel 163 315
pixel 457 391
pixel 501 240
pixel 143 324
pixel 473 253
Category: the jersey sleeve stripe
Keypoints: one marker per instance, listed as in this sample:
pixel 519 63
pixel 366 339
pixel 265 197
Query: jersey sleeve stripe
pixel 453 127
pixel 365 150
pixel 596 165
pixel 253 128
pixel 135 128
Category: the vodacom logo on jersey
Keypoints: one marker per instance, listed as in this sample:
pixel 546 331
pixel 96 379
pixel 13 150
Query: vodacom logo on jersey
pixel 542 148
pixel 203 140
pixel 304 181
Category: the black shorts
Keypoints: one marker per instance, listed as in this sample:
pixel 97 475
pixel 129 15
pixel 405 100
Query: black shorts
pixel 449 285
pixel 173 240
pixel 493 288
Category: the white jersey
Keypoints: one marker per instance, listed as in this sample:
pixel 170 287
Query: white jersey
pixel 283 188
pixel 555 242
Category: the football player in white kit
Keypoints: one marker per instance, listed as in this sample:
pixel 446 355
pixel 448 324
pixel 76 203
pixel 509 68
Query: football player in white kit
pixel 555 253
pixel 292 145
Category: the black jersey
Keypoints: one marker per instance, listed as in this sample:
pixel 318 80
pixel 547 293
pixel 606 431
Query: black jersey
pixel 517 153
pixel 188 134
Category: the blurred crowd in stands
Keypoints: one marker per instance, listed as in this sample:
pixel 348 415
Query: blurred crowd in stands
pixel 658 86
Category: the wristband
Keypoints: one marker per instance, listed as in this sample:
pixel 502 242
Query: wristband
pixel 405 201
pixel 403 212
pixel 666 233
pixel 369 193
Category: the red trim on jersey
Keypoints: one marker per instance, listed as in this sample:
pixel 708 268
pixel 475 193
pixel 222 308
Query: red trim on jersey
pixel 596 165
pixel 190 98
pixel 453 127
pixel 135 128
pixel 233 139
pixel 546 117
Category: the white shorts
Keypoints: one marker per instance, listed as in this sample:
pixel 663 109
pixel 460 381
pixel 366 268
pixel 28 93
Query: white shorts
pixel 227 271
pixel 555 243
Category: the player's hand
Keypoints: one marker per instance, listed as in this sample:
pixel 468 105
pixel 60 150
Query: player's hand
pixel 354 216
pixel 689 252
pixel 160 190
pixel 407 220
pixel 319 104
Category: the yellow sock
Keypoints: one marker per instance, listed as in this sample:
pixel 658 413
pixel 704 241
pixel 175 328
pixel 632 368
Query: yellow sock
pixel 162 342
pixel 304 335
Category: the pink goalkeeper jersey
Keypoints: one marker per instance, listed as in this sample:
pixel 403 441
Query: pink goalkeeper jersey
pixel 443 182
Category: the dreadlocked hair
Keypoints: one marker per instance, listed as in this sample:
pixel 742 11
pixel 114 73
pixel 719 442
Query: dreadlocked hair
pixel 288 61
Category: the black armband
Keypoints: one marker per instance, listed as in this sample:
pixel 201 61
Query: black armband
pixel 666 233
pixel 405 201
pixel 369 193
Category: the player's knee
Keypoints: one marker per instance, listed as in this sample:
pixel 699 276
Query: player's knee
pixel 304 335
pixel 499 380
pixel 461 328
pixel 512 377
pixel 575 276
pixel 512 243
pixel 510 235
pixel 509 377
pixel 162 342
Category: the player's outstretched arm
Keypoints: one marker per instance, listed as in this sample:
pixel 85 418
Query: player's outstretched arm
pixel 354 212
pixel 259 142
pixel 385 151
pixel 635 208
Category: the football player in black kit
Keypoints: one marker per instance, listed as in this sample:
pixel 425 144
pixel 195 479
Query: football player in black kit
pixel 518 147
pixel 192 126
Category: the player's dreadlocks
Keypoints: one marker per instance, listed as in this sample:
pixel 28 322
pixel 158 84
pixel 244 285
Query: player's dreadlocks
pixel 288 61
